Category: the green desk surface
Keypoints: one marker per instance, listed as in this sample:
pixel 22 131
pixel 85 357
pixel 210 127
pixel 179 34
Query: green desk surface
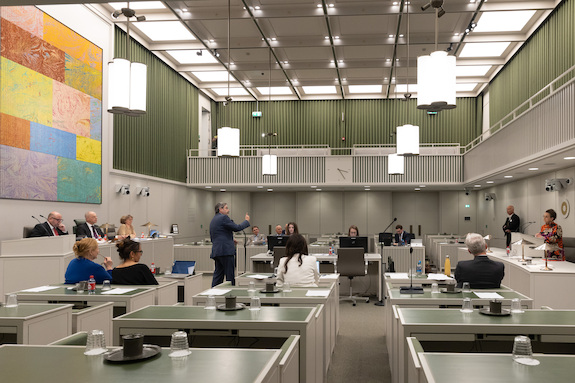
pixel 28 310
pixel 199 313
pixel 242 292
pixel 65 364
pixel 449 317
pixel 476 368
pixel 64 291
pixel 506 294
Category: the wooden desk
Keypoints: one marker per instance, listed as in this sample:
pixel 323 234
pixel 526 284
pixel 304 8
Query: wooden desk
pixel 452 327
pixel 133 300
pixel 266 322
pixel 36 323
pixel 203 365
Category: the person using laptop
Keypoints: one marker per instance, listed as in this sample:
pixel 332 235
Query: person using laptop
pixel 353 231
pixel 297 268
pixel 402 237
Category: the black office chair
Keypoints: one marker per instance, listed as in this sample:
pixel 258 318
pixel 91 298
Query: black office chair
pixel 351 263
pixel 27 231
pixel 279 253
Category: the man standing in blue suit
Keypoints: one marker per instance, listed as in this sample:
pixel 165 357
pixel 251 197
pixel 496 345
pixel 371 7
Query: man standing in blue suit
pixel 223 246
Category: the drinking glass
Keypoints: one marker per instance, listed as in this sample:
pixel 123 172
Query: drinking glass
pixel 80 287
pixel 179 345
pixel 522 352
pixel 96 343
pixel 210 303
pixel 516 306
pixel 12 301
pixel 466 307
pixel 252 286
pixel 434 288
pixel 287 287
pixel 466 287
pixel 255 303
pixel 106 285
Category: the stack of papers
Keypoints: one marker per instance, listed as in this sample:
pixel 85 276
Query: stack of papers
pixel 488 295
pixel 40 289
pixel 117 291
pixel 439 277
pixel 257 276
pixel 397 275
pixel 215 292
pixel 317 293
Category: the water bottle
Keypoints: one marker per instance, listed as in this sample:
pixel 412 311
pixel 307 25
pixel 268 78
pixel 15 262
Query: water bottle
pixel 418 269
pixel 330 251
pixel 508 251
pixel 447 266
pixel 153 268
pixel 91 285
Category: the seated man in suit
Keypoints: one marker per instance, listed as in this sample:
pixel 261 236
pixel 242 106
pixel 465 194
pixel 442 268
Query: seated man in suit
pixel 256 238
pixel 402 237
pixel 54 226
pixel 481 272
pixel 89 229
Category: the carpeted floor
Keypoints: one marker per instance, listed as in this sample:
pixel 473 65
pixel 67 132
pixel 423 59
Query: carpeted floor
pixel 360 354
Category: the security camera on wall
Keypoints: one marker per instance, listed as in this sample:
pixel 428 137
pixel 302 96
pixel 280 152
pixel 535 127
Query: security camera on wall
pixel 144 191
pixel 556 184
pixel 490 196
pixel 467 191
pixel 123 189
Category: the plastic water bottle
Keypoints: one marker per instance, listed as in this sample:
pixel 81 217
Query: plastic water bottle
pixel 153 268
pixel 419 269
pixel 508 251
pixel 91 285
pixel 143 235
pixel 330 251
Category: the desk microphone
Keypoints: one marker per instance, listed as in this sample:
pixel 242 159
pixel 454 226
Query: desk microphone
pixel 43 217
pixel 43 226
pixel 388 226
pixel 36 219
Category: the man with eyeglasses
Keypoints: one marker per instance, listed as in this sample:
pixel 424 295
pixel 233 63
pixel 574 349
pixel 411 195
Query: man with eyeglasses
pixel 54 226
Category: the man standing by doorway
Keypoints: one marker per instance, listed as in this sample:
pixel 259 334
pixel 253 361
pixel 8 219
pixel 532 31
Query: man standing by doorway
pixel 511 224
pixel 223 247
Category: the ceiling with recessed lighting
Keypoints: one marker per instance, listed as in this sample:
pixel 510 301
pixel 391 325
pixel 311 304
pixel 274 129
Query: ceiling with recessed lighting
pixel 320 49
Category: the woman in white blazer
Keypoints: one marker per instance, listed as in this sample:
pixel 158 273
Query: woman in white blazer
pixel 297 268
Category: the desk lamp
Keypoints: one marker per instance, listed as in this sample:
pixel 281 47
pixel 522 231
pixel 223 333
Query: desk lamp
pixel 522 242
pixel 547 247
pixel 488 238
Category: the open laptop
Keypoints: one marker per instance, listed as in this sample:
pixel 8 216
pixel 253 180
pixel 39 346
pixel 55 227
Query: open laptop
pixel 182 269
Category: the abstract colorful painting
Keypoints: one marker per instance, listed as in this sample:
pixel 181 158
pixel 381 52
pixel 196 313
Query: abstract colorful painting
pixel 50 110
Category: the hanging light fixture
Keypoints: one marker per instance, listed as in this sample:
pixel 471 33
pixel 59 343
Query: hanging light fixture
pixel 228 138
pixel 436 74
pixel 395 164
pixel 127 80
pixel 407 135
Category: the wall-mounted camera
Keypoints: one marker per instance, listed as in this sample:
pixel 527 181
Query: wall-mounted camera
pixel 556 184
pixel 490 196
pixel 467 190
pixel 123 189
pixel 144 191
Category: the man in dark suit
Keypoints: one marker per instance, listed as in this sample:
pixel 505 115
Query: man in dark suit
pixel 481 272
pixel 511 225
pixel 402 237
pixel 54 226
pixel 89 228
pixel 223 247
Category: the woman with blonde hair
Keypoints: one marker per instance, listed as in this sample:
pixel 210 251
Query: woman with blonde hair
pixel 81 267
pixel 126 229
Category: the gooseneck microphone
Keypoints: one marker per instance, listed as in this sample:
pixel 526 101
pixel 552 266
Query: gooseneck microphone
pixel 391 223
pixel 42 224
pixel 36 219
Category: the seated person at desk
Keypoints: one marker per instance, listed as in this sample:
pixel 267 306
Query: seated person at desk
pixel 353 231
pixel 291 228
pixel 553 234
pixel 279 230
pixel 256 238
pixel 297 268
pixel 54 226
pixel 402 237
pixel 126 229
pixel 130 271
pixel 81 267
pixel 89 229
pixel 481 272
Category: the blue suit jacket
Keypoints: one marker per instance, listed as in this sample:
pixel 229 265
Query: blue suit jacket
pixel 222 235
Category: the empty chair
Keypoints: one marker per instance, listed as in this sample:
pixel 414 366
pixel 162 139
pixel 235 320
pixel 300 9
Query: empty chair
pixel 351 263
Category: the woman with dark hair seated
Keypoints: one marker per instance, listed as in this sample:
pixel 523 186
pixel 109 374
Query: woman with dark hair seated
pixel 291 228
pixel 130 271
pixel 297 268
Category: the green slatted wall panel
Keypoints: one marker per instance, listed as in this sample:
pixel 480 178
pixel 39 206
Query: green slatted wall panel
pixel 547 54
pixel 365 121
pixel 157 143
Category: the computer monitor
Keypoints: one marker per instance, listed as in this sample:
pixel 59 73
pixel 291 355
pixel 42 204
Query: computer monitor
pixel 385 238
pixel 277 240
pixel 353 242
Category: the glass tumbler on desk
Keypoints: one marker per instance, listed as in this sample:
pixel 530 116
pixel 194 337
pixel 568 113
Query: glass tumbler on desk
pixel 96 343
pixel 12 301
pixel 286 287
pixel 522 352
pixel 255 303
pixel 466 288
pixel 466 307
pixel 106 285
pixel 516 306
pixel 435 288
pixel 210 303
pixel 252 286
pixel 179 345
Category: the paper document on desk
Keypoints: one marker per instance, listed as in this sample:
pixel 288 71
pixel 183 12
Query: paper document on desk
pixel 488 295
pixel 439 277
pixel 317 293
pixel 40 289
pixel 117 291
pixel 397 275
pixel 215 292
pixel 257 276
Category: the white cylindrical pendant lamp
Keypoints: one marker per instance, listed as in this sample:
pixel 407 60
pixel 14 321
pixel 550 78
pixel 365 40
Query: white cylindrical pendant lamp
pixel 228 142
pixel 395 164
pixel 138 83
pixel 270 165
pixel 436 81
pixel 407 140
pixel 119 86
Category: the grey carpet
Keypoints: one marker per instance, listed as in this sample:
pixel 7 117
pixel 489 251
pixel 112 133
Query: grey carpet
pixel 360 354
